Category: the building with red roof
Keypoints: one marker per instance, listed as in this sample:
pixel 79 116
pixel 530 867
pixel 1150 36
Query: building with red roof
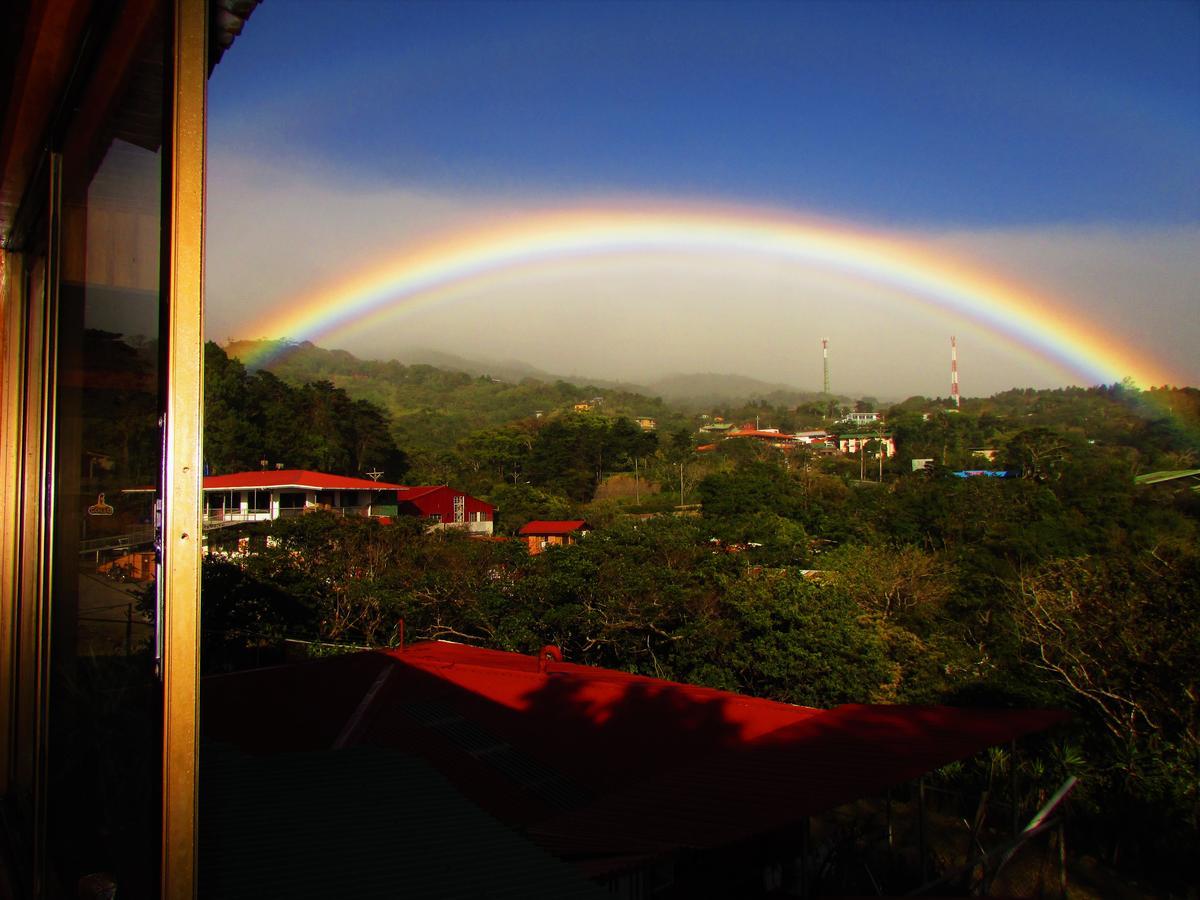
pixel 857 442
pixel 278 493
pixel 638 783
pixel 772 436
pixel 542 534
pixel 447 507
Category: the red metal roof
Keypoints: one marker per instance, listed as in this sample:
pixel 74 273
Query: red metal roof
pixel 600 767
pixel 766 435
pixel 553 527
pixel 271 479
pixel 412 492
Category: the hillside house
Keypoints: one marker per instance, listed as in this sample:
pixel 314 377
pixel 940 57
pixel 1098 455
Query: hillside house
pixel 274 494
pixel 862 417
pixel 269 495
pixel 810 437
pixel 646 423
pixel 771 436
pixel 853 443
pixel 448 508
pixel 540 535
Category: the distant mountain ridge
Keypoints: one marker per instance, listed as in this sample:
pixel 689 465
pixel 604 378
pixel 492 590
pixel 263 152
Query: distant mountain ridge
pixel 712 387
pixel 693 390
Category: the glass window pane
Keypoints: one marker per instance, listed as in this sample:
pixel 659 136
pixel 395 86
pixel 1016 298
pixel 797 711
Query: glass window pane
pixel 104 715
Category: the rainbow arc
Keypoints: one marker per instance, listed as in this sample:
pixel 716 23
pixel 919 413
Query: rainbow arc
pixel 471 261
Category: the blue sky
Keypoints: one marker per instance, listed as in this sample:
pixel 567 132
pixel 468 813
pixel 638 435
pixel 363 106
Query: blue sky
pixel 930 118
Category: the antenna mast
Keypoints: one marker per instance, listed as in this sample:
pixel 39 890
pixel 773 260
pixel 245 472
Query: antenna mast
pixel 954 371
pixel 825 358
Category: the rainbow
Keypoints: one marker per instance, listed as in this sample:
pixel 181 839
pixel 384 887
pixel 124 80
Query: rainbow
pixel 472 260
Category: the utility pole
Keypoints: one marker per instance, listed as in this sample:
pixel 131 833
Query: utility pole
pixel 637 493
pixel 882 452
pixel 954 371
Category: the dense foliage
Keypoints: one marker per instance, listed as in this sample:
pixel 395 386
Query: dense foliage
pixel 433 408
pixel 792 577
pixel 249 418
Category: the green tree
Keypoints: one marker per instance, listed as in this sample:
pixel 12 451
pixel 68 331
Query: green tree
pixel 786 638
pixel 517 504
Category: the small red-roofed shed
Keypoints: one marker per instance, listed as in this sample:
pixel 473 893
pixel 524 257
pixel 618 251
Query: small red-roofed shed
pixel 542 534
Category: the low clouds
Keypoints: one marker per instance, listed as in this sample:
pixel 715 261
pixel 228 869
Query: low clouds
pixel 278 233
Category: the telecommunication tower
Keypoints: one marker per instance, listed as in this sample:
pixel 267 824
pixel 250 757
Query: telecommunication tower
pixel 825 359
pixel 954 371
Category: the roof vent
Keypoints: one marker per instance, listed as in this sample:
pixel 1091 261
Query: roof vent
pixel 547 653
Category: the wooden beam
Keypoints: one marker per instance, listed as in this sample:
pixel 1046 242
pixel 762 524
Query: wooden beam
pixel 182 528
pixel 12 365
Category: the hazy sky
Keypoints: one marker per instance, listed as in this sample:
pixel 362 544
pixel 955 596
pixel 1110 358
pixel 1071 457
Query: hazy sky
pixel 1055 144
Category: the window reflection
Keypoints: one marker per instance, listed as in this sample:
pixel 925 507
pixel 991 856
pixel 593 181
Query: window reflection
pixel 103 731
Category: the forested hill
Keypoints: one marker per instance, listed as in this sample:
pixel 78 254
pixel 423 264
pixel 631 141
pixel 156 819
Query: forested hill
pixel 703 390
pixel 433 408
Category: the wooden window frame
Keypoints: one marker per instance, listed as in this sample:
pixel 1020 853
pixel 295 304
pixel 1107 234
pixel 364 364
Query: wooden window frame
pixel 27 367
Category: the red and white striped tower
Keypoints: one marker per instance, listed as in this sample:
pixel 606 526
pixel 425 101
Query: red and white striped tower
pixel 825 360
pixel 954 370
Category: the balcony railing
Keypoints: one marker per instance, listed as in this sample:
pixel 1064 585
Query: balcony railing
pixel 143 535
pixel 233 516
pixel 336 510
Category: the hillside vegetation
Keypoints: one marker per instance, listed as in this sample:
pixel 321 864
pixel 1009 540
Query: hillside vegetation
pixel 433 408
pixel 1065 584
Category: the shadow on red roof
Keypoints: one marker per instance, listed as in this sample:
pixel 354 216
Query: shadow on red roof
pixel 601 768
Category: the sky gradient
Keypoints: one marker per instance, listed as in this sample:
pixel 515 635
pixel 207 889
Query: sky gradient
pixel 1052 144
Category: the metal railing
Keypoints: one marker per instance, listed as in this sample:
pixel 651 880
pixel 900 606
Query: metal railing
pixel 229 517
pixel 130 539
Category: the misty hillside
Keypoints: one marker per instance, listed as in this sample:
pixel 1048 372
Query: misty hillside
pixel 694 390
pixel 506 370
pixel 433 407
pixel 702 390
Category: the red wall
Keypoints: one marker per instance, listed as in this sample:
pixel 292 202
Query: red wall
pixel 441 503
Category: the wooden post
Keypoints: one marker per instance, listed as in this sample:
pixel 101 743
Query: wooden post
pixel 1012 788
pixel 891 841
pixel 1062 859
pixel 182 526
pixel 921 828
pixel 974 845
pixel 805 839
